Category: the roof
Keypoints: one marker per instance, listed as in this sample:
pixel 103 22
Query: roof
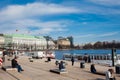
pixel 23 36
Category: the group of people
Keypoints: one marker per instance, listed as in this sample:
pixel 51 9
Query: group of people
pixel 87 58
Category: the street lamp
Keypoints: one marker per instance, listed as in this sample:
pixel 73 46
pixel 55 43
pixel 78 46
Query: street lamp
pixel 47 42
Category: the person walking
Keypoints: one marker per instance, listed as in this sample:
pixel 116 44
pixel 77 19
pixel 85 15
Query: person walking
pixel 72 60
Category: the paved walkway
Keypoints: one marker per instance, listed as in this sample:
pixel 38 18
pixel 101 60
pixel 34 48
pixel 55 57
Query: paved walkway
pixel 39 70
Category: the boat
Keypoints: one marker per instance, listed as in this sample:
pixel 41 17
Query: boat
pixel 41 54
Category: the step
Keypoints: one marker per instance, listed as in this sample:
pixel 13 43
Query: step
pixel 7 68
pixel 17 75
pixel 58 71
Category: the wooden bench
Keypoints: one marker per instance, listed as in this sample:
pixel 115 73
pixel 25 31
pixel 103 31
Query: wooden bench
pixel 18 75
pixel 58 71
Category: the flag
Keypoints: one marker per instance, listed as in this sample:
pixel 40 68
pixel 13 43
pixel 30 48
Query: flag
pixel 16 30
pixel 1 61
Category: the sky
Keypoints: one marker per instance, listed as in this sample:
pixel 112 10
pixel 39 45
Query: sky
pixel 87 21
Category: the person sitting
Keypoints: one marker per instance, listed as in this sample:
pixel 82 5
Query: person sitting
pixel 61 66
pixel 49 59
pixel 92 68
pixel 15 64
pixel 56 62
pixel 109 74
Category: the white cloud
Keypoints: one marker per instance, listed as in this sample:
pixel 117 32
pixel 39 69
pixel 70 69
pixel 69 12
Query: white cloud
pixel 97 35
pixel 23 16
pixel 84 36
pixel 42 27
pixel 34 9
pixel 107 2
pixel 108 34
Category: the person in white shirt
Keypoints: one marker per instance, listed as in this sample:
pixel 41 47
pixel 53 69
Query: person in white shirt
pixel 109 74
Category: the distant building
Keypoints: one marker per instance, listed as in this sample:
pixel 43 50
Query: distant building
pixel 63 43
pixel 71 41
pixel 2 40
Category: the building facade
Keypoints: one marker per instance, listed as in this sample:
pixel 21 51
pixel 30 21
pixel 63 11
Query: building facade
pixel 26 42
pixel 63 43
pixel 2 41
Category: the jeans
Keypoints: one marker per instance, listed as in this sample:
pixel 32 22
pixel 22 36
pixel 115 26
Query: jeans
pixel 19 68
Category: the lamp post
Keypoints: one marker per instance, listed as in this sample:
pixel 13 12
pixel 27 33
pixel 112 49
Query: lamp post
pixel 113 56
pixel 47 42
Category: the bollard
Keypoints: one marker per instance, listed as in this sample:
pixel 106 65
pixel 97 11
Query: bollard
pixel 82 65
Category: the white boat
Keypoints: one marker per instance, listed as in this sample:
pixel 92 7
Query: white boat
pixel 50 54
pixel 41 54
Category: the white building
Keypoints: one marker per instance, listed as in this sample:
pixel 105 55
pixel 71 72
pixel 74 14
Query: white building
pixel 25 42
pixel 1 41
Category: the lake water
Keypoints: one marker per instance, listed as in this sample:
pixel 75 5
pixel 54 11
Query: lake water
pixel 59 53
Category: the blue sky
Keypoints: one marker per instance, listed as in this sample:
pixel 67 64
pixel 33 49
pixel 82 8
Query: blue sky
pixel 88 21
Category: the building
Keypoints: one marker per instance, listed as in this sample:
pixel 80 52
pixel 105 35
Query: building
pixel 63 43
pixel 71 41
pixel 1 41
pixel 25 42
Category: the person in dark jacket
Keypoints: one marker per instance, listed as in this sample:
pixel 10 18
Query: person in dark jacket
pixel 16 65
pixel 61 65
pixel 72 60
pixel 92 68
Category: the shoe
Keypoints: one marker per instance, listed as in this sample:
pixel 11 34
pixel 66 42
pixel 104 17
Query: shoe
pixel 22 70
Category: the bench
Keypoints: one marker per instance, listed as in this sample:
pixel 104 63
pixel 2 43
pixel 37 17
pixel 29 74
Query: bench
pixel 7 68
pixel 58 71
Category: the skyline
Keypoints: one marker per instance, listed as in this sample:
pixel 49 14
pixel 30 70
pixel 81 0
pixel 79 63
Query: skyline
pixel 87 21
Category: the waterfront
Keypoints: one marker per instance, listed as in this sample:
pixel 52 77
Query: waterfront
pixel 59 53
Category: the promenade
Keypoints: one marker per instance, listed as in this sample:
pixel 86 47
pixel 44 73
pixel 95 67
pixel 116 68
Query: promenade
pixel 39 70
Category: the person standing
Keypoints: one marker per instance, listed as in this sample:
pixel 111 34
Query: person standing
pixel 72 60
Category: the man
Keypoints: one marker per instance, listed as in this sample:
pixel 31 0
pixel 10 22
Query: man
pixel 72 60
pixel 61 66
pixel 16 65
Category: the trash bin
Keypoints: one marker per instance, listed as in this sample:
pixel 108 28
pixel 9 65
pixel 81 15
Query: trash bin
pixel 82 65
pixel 117 69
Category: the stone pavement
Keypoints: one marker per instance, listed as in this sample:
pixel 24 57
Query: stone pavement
pixel 39 70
